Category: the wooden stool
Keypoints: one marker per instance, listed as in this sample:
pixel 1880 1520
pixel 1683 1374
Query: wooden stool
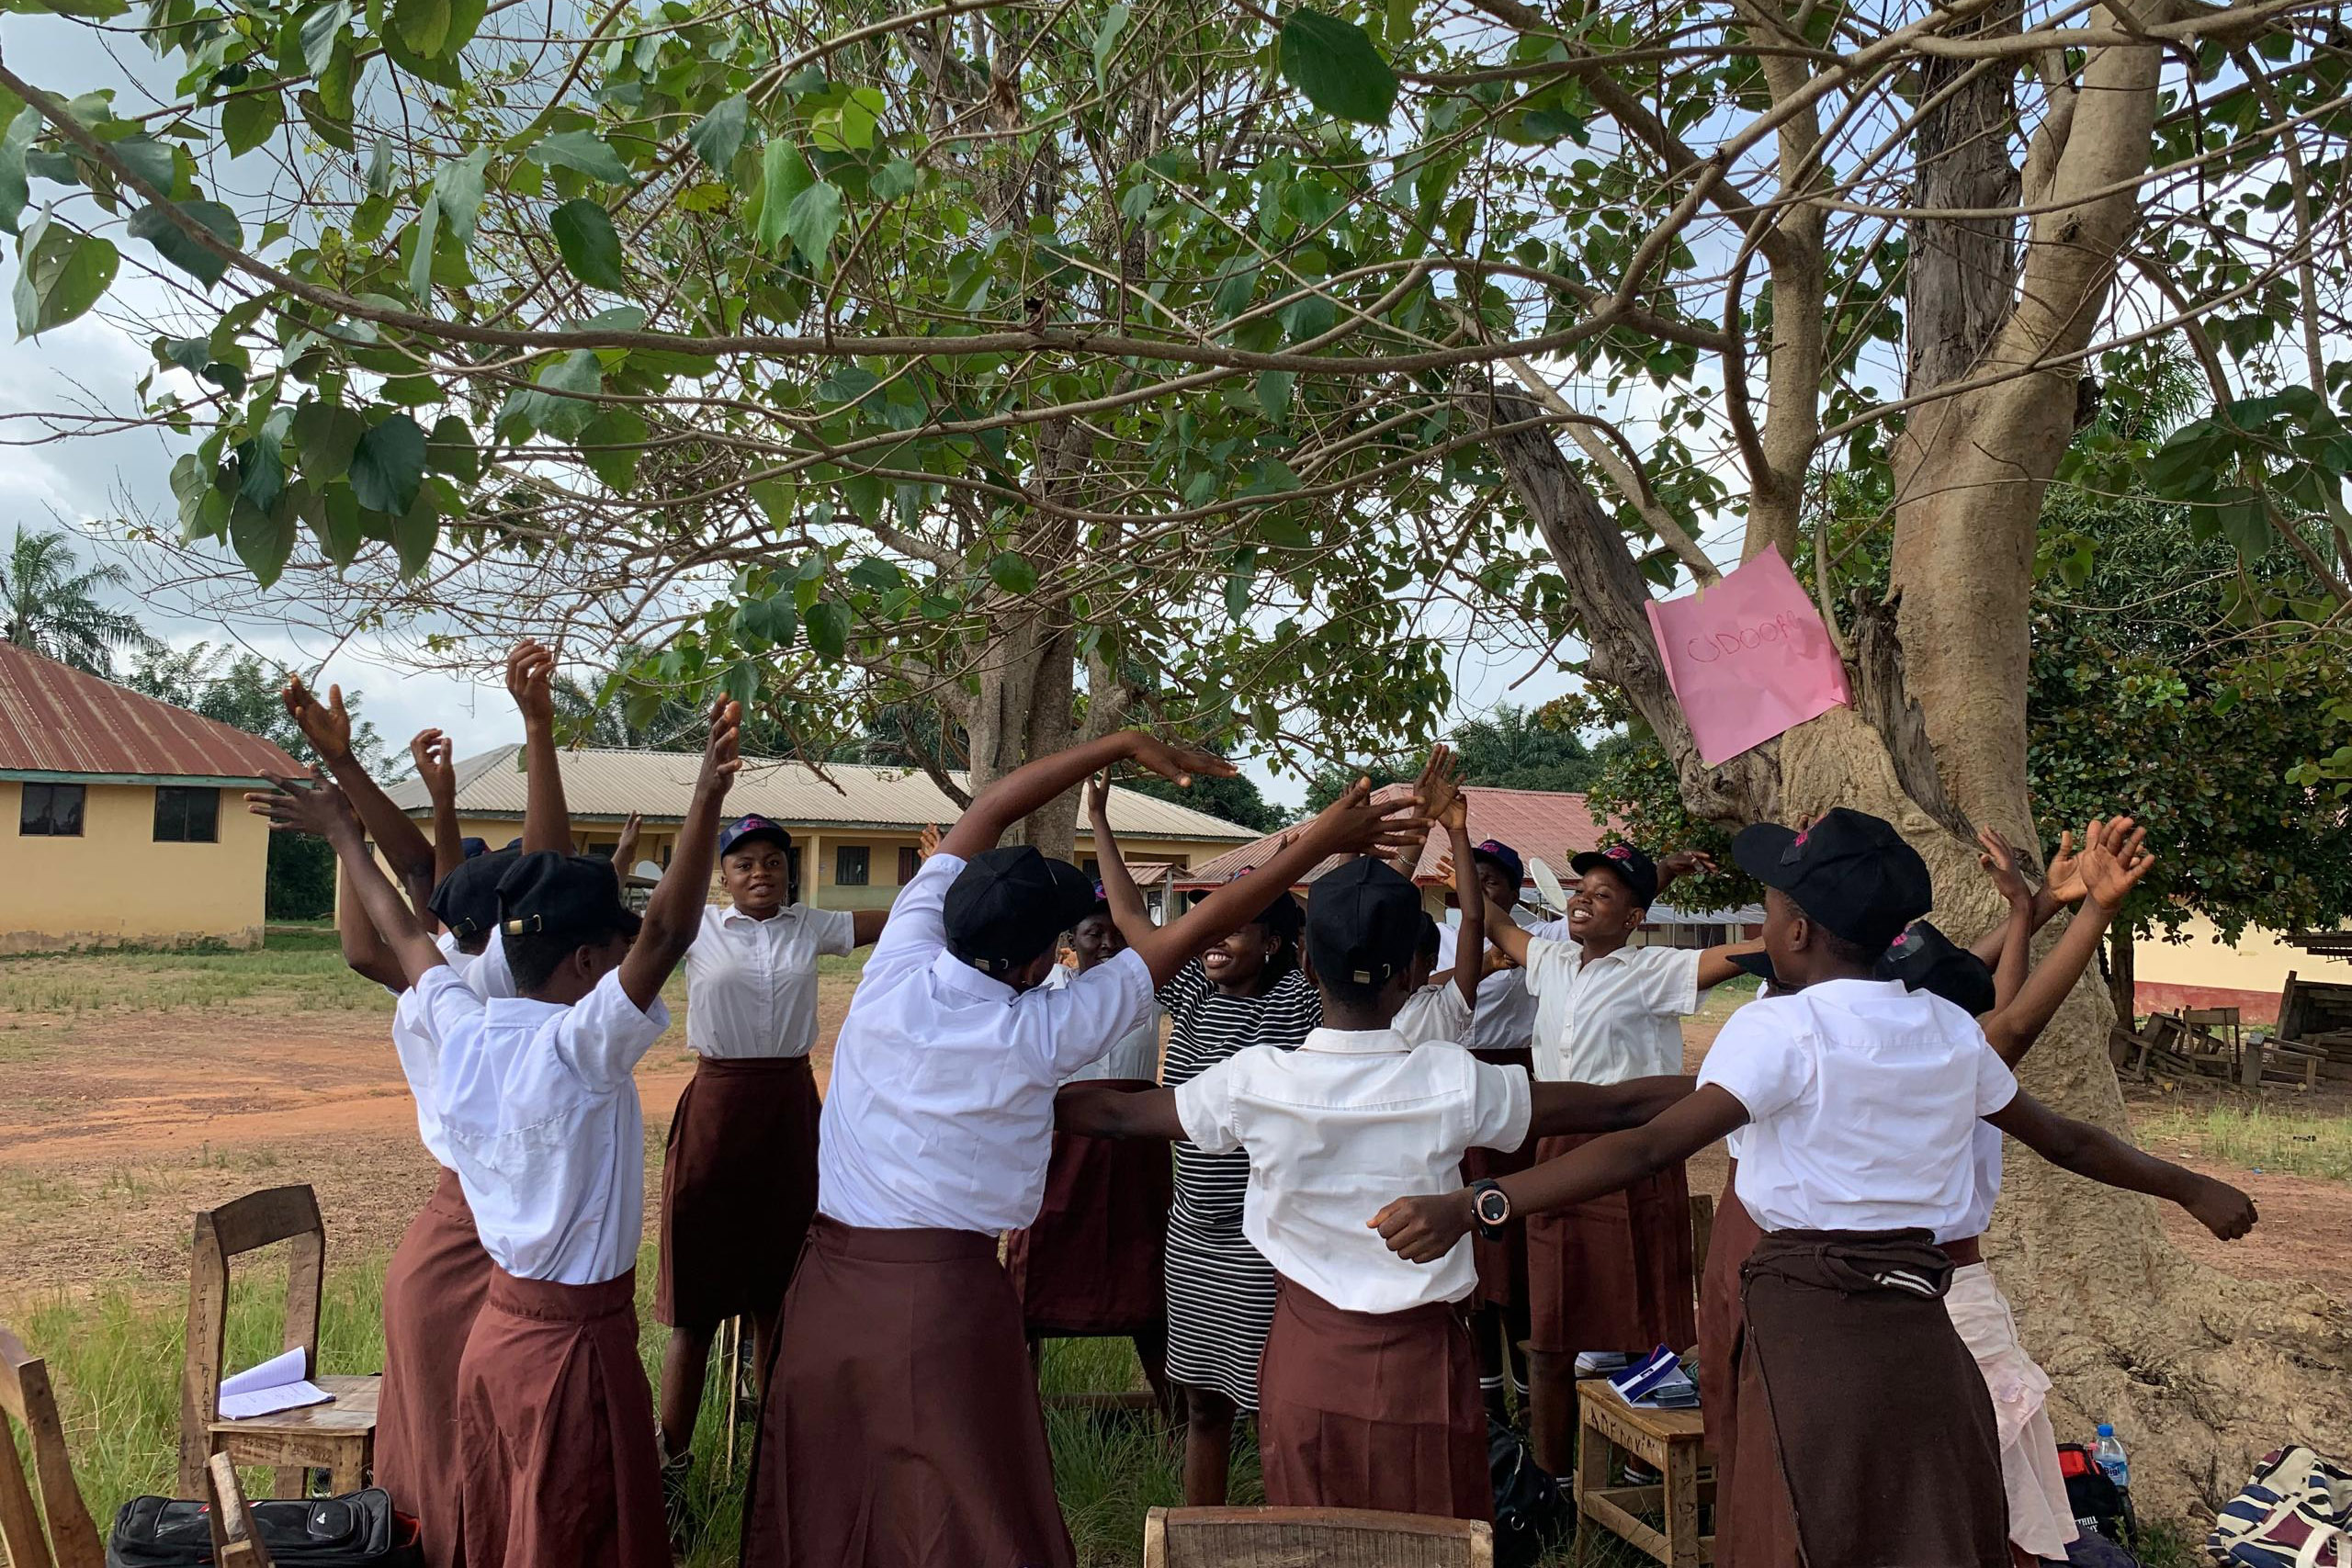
pixel 338 1437
pixel 71 1540
pixel 1673 1443
pixel 1286 1538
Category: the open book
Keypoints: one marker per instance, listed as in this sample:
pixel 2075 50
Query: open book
pixel 277 1384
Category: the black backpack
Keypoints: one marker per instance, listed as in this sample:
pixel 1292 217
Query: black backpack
pixel 2100 1507
pixel 1531 1511
pixel 357 1530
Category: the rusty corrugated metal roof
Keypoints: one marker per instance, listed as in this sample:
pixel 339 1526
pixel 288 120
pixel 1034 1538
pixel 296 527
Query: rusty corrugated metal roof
pixel 1545 825
pixel 55 719
pixel 600 784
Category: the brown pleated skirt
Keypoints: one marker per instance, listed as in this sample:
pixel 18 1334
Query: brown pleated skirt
pixel 1615 1273
pixel 433 1290
pixel 1091 1264
pixel 739 1187
pixel 902 1425
pixel 555 1430
pixel 1502 1264
pixel 1866 1434
pixel 1372 1410
pixel 1733 1237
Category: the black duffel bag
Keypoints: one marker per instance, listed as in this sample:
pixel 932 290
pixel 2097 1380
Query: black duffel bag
pixel 356 1530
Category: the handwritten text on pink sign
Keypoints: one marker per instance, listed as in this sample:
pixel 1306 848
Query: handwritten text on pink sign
pixel 1748 657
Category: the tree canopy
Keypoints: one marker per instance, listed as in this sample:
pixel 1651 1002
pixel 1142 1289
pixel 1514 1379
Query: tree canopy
pixel 50 604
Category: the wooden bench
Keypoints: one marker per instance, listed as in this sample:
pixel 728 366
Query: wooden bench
pixel 1327 1538
pixel 338 1437
pixel 1672 1442
pixel 72 1541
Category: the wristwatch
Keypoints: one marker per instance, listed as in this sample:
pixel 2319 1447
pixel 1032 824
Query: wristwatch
pixel 1491 1207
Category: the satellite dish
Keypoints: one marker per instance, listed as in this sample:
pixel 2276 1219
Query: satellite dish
pixel 646 871
pixel 1547 887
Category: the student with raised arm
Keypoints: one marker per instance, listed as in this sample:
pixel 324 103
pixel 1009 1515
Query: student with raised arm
pixel 1857 1100
pixel 901 1424
pixel 1443 1006
pixel 1612 1279
pixel 541 1112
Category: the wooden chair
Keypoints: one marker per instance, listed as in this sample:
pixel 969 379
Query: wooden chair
pixel 71 1540
pixel 1327 1538
pixel 1672 1442
pixel 235 1543
pixel 338 1437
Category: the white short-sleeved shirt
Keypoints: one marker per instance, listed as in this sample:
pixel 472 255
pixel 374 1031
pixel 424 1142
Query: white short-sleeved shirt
pixel 1984 1168
pixel 541 1118
pixel 1616 1018
pixel 751 985
pixel 1338 1129
pixel 1863 1101
pixel 412 1042
pixel 941 1108
pixel 1136 1053
pixel 1433 1015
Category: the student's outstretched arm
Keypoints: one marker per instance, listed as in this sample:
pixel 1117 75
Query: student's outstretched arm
pixel 1423 1230
pixel 309 804
pixel 1128 912
pixel 530 681
pixel 2101 1156
pixel 673 914
pixel 1106 1111
pixel 431 751
pixel 1715 963
pixel 1504 932
pixel 1031 785
pixel 1470 941
pixel 327 726
pixel 1351 825
pixel 1566 1110
pixel 2108 879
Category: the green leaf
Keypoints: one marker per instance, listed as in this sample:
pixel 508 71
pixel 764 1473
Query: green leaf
pixel 14 190
pixel 827 624
pixel 457 188
pixel 428 229
pixel 379 170
pixel 1106 39
pixel 261 466
pixel 388 466
pixel 250 119
pixel 783 175
pixel 584 151
pixel 875 575
pixel 321 28
pixel 335 520
pixel 324 438
pixel 719 135
pixel 263 538
pixel 1273 390
pixel 1337 67
pixel 612 445
pixel 813 218
pixel 578 373
pixel 451 449
pixel 61 274
pixel 155 225
pixel 149 159
pixel 1011 572
pixel 415 534
pixel 591 249
pixel 741 682
pixel 423 24
pixel 773 620
pixel 893 180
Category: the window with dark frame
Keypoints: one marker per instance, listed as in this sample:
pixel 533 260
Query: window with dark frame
pixel 186 815
pixel 849 866
pixel 910 862
pixel 51 810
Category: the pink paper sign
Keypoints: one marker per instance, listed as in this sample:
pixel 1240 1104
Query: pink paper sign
pixel 1748 657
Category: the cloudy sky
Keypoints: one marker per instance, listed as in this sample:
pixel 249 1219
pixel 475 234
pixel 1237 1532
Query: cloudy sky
pixel 91 482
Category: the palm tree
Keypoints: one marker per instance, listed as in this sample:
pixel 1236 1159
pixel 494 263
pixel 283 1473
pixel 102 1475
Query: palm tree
pixel 53 609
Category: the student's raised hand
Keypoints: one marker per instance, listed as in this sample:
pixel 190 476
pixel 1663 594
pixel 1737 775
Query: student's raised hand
pixel 1999 858
pixel 1355 824
pixel 927 841
pixel 722 756
pixel 624 851
pixel 1179 764
pixel 530 681
pixel 1424 1230
pixel 306 803
pixel 2062 882
pixel 1685 862
pixel 2221 1209
pixel 2112 866
pixel 1439 785
pixel 1098 797
pixel 435 756
pixel 324 725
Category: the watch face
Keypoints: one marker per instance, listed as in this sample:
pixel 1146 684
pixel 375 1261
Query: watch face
pixel 1494 1208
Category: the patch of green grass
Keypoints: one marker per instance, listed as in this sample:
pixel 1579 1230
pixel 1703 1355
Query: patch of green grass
pixel 2259 1138
pixel 307 975
pixel 2165 1544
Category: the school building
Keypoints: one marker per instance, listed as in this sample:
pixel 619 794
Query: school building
pixel 853 827
pixel 2203 971
pixel 127 825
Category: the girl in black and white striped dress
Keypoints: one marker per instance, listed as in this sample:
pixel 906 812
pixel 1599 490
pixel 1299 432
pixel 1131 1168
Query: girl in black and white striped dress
pixel 1247 990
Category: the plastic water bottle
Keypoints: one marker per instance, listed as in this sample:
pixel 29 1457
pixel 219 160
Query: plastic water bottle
pixel 2109 1454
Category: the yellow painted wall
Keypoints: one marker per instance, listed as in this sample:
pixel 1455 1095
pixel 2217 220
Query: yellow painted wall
pixel 2259 962
pixel 115 884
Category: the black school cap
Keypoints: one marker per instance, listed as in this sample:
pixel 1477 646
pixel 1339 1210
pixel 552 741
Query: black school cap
pixel 1637 870
pixel 1363 923
pixel 1924 959
pixel 1506 860
pixel 1850 872
pixel 753 828
pixel 466 899
pixel 548 894
pixel 1009 904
